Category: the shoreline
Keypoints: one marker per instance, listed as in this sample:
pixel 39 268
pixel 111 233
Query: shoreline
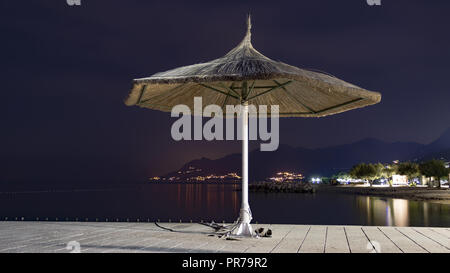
pixel 433 195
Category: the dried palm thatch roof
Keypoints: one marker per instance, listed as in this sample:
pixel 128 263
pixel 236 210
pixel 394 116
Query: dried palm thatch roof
pixel 245 75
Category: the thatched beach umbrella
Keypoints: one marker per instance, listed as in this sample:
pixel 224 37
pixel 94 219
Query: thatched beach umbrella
pixel 242 77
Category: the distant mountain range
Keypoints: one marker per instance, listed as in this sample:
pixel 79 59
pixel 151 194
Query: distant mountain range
pixel 322 161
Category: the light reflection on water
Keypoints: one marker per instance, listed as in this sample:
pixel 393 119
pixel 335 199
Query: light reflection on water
pixel 221 202
pixel 389 212
pixel 208 199
pixel 401 212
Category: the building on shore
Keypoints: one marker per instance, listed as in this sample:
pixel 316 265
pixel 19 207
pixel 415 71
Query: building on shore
pixel 399 180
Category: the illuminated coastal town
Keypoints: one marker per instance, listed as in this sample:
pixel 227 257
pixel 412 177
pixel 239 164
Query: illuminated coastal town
pixel 391 174
pixel 192 174
pixel 287 177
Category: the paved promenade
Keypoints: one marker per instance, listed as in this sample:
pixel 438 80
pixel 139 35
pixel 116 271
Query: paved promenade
pixel 63 237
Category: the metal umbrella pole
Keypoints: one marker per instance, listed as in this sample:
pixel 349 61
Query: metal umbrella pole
pixel 243 227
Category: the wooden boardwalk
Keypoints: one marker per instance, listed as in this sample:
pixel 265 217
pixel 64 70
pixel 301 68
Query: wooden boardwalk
pixel 191 237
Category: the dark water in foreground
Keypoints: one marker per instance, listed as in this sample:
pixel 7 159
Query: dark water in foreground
pixel 219 203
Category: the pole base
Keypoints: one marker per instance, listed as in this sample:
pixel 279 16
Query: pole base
pixel 243 229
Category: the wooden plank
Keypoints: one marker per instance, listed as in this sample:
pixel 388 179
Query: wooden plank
pixel 336 240
pixel 242 244
pixel 437 237
pixel 95 243
pixel 314 241
pixel 267 244
pixel 380 241
pixel 443 231
pixel 14 232
pixel 83 232
pixel 129 243
pixel 43 238
pixel 187 238
pixel 293 240
pixel 201 239
pixel 174 243
pixel 402 241
pixel 135 238
pixel 194 243
pixel 156 241
pixel 423 241
pixel 211 244
pixel 357 240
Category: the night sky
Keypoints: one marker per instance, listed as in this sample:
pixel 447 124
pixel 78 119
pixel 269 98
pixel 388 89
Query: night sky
pixel 66 70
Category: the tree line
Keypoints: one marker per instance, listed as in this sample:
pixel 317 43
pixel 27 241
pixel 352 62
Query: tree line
pixel 429 169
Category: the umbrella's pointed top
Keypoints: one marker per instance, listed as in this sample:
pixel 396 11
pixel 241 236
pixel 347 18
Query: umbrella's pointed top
pixel 248 35
pixel 247 41
pixel 245 48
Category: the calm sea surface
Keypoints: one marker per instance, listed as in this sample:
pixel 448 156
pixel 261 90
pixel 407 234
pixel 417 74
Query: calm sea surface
pixel 218 202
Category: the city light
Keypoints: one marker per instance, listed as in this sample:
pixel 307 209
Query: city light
pixel 316 180
pixel 189 176
pixel 286 176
